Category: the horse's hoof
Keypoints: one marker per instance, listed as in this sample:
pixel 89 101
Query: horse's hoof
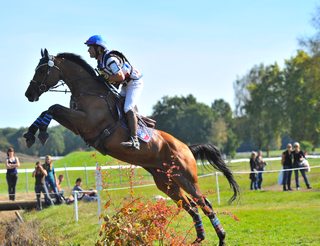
pixel 30 139
pixel 197 241
pixel 43 137
pixel 222 237
pixel 222 243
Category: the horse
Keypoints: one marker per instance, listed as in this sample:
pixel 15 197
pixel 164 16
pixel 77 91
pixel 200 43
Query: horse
pixel 94 115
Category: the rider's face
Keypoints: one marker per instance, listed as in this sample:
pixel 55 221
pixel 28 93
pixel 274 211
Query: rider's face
pixel 92 52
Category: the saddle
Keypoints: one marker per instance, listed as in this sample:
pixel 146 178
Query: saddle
pixel 145 124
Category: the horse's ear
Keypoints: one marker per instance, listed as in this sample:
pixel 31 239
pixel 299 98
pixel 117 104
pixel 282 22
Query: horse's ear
pixel 46 53
pixel 42 55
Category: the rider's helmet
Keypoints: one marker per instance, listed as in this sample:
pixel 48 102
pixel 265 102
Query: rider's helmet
pixel 96 40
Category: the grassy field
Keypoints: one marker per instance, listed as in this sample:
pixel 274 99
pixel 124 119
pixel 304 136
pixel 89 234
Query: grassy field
pixel 267 217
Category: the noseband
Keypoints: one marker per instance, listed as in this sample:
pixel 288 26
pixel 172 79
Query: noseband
pixel 42 86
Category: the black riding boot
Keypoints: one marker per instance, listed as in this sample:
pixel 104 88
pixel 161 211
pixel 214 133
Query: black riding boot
pixel 133 142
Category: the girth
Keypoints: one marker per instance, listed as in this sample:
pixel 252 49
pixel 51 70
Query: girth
pixel 98 142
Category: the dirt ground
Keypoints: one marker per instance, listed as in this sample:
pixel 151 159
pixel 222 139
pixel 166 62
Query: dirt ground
pixel 19 196
pixel 5 218
pixel 9 217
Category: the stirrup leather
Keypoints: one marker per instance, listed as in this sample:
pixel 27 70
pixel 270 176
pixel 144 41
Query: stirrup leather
pixel 133 142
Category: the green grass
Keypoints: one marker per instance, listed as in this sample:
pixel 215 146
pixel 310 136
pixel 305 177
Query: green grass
pixel 89 158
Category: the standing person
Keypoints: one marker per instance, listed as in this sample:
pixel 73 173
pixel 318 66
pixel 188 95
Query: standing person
pixel 260 165
pixel 39 174
pixel 298 157
pixel 286 162
pixel 116 69
pixel 51 177
pixel 12 163
pixel 253 174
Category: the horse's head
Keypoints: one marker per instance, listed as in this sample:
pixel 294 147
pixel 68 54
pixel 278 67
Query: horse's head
pixel 47 74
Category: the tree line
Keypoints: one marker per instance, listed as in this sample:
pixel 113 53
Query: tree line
pixel 61 142
pixel 274 105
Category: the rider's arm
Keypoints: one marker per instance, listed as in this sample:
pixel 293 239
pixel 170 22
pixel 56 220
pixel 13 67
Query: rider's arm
pixel 117 75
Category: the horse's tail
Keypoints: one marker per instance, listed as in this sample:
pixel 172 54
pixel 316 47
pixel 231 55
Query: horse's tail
pixel 209 152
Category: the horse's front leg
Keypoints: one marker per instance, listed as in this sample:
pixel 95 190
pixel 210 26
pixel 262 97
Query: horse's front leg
pixel 67 117
pixel 32 130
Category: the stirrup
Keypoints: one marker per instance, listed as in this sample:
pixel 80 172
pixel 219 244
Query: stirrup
pixel 133 142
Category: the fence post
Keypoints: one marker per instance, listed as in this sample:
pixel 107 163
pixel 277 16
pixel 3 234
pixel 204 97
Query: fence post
pixel 120 174
pixel 67 176
pixel 98 188
pixel 218 189
pixel 86 174
pixel 202 169
pixel 26 180
pixel 75 195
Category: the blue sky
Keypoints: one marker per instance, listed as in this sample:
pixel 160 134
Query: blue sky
pixel 182 47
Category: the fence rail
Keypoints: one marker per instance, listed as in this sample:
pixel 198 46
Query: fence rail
pixel 117 174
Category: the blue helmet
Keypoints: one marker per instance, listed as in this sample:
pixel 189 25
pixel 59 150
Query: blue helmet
pixel 96 40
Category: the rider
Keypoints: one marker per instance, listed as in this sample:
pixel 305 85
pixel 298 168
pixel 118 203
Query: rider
pixel 117 70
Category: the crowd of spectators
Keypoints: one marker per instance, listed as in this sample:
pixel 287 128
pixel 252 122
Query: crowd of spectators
pixel 293 159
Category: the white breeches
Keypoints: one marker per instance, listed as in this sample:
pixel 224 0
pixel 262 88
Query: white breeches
pixel 131 92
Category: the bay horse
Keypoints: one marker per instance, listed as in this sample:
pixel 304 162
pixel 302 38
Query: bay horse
pixel 94 116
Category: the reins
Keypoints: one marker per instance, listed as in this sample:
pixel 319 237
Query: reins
pixel 62 83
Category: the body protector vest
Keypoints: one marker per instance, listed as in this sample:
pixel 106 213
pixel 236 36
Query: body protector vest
pixel 113 61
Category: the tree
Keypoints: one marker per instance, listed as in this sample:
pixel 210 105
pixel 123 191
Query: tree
pixel 184 118
pixel 302 74
pixel 220 133
pixel 263 104
pixel 225 121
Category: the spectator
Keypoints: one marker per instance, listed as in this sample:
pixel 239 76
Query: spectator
pixel 39 174
pixel 260 165
pixel 298 157
pixel 12 163
pixel 51 178
pixel 286 162
pixel 253 174
pixel 58 182
pixel 88 196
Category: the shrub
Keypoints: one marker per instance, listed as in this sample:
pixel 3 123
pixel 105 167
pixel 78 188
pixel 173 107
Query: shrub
pixel 140 223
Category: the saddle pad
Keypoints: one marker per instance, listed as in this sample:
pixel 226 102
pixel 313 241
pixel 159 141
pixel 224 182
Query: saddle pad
pixel 144 133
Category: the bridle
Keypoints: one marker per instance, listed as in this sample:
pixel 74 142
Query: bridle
pixel 42 86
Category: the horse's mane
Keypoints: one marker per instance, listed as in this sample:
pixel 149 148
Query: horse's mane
pixel 77 59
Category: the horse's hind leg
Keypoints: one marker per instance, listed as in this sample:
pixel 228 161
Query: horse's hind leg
pixel 191 186
pixel 177 194
pixel 192 209
pixel 209 212
pixel 214 221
